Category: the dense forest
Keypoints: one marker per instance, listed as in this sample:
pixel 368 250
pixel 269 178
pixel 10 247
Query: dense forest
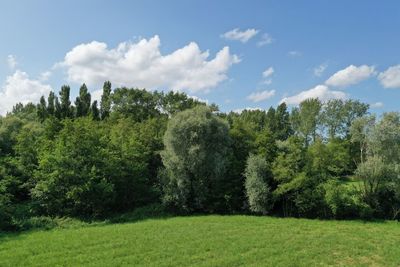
pixel 137 148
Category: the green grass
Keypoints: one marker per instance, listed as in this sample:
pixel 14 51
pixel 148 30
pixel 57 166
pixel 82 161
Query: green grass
pixel 209 241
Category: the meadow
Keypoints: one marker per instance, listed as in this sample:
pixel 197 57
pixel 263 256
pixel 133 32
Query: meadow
pixel 208 241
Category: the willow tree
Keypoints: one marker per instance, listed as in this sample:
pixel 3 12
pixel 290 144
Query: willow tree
pixel 195 159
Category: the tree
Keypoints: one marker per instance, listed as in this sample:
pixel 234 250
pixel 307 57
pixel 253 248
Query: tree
pixel 173 102
pixel 94 111
pixel 73 177
pixel 82 102
pixel 258 192
pixel 308 119
pixel 333 117
pixel 51 104
pixel 270 120
pixel 353 109
pixel 58 110
pixel 265 144
pixel 65 104
pixel 288 172
pixel 373 173
pixel 42 109
pixel 243 136
pixel 282 120
pixel 105 103
pixel 195 158
pixel 384 139
pixel 360 131
pixel 136 104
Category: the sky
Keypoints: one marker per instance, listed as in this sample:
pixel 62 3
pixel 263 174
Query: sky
pixel 237 54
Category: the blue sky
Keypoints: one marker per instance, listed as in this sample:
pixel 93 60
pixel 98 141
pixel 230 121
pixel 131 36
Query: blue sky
pixel 213 50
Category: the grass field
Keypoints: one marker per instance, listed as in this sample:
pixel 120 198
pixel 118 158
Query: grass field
pixel 209 241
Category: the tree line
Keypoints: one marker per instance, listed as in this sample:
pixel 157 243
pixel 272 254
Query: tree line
pixel 134 148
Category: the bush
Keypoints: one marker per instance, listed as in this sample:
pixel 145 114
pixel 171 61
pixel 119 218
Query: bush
pixel 344 201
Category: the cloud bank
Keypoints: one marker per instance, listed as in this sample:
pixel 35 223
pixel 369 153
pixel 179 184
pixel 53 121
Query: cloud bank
pixel 142 65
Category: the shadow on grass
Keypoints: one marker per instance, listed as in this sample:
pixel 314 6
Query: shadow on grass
pixel 36 224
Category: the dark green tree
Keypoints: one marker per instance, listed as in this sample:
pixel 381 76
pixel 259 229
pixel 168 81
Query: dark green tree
pixel 105 103
pixel 51 108
pixel 65 103
pixel 94 111
pixel 42 109
pixel 82 102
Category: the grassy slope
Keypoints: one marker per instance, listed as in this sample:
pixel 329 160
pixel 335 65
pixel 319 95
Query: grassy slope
pixel 209 241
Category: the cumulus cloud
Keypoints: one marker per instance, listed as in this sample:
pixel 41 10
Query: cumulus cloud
pixel 268 72
pixel 322 92
pixel 390 78
pixel 351 75
pixel 377 105
pixel 238 35
pixel 260 96
pixel 20 88
pixel 11 62
pixel 141 64
pixel 320 69
pixel 265 40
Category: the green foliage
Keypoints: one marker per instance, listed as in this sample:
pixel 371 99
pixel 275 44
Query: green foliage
pixel 105 104
pixel 306 119
pixel 258 178
pixel 195 157
pixel 343 201
pixel 64 109
pixel 141 148
pixel 138 105
pixel 72 177
pixel 82 102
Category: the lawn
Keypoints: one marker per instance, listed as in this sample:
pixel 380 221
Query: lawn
pixel 209 241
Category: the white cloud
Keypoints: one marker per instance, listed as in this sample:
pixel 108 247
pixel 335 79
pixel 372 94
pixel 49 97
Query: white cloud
pixel 377 105
pixel 390 78
pixel 351 75
pixel 20 88
pixel 294 53
pixel 320 69
pixel 260 96
pixel 238 35
pixel 265 40
pixel 142 65
pixel 44 76
pixel 268 72
pixel 322 92
pixel 11 62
